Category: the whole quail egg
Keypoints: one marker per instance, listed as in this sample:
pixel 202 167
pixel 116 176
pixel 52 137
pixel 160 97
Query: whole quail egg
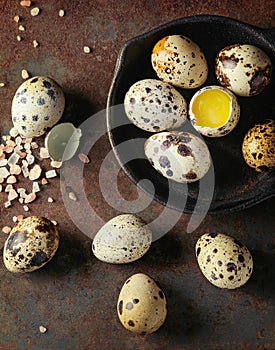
pixel 224 260
pixel 141 305
pixel 123 239
pixel 179 61
pixel 37 105
pixel 180 156
pixel 154 106
pixel 30 244
pixel 214 111
pixel 244 69
pixel 258 147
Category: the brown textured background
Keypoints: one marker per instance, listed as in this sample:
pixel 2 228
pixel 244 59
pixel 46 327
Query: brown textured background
pixel 75 295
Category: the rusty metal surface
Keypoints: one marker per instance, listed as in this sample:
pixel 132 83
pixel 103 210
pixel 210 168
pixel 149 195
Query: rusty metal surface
pixel 74 296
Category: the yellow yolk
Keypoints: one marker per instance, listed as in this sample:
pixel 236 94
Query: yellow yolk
pixel 211 108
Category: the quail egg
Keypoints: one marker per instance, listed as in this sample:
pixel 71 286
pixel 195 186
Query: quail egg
pixel 244 69
pixel 141 305
pixel 154 106
pixel 179 61
pixel 214 111
pixel 123 239
pixel 224 260
pixel 30 244
pixel 180 156
pixel 258 147
pixel 37 105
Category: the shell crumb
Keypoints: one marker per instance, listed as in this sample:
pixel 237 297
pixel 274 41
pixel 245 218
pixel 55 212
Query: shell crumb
pixel 44 154
pixel 14 219
pixel 35 43
pixel 50 200
pixel 44 181
pixel 13 132
pixel 21 28
pixel 18 38
pixel 25 3
pixel 35 172
pixel 12 195
pixel 86 49
pixel 84 158
pixel 6 229
pixel 54 222
pixel 50 173
pixel 25 74
pixel 2 84
pixel 11 179
pixel 16 18
pixel 42 329
pixel 72 196
pixel 30 198
pixel 26 208
pixel 35 11
pixel 56 164
pixel 61 13
pixel 7 204
pixel 20 217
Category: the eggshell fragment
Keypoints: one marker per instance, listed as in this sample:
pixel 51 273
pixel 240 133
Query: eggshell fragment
pixel 30 245
pixel 258 147
pixel 141 305
pixel 153 105
pixel 179 156
pixel 223 260
pixel 179 61
pixel 123 239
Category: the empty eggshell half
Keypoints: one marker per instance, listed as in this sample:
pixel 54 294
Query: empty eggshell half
pixel 214 111
pixel 62 141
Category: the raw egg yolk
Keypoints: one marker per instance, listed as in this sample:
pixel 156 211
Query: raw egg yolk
pixel 211 108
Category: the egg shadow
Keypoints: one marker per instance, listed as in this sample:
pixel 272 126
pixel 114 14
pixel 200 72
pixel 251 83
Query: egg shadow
pixel 262 281
pixel 184 318
pixel 78 108
pixel 72 254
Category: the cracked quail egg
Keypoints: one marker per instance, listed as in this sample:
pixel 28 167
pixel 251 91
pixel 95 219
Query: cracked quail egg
pixel 214 111
pixel 224 260
pixel 153 105
pixel 180 156
pixel 179 61
pixel 244 69
pixel 30 245
pixel 141 305
pixel 123 239
pixel 258 147
pixel 37 105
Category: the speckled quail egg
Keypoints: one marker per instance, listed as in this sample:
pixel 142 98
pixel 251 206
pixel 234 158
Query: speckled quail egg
pixel 141 305
pixel 214 111
pixel 244 69
pixel 224 260
pixel 30 244
pixel 258 147
pixel 123 239
pixel 37 105
pixel 179 61
pixel 180 156
pixel 154 106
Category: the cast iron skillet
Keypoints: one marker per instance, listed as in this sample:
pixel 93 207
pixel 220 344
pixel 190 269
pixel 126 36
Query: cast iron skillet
pixel 236 185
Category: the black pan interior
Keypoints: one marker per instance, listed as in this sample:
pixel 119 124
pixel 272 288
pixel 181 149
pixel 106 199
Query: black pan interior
pixel 236 185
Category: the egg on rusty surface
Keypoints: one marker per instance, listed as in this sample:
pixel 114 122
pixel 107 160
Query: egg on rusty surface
pixel 153 105
pixel 37 105
pixel 214 111
pixel 244 69
pixel 141 305
pixel 179 61
pixel 123 239
pixel 179 156
pixel 258 147
pixel 224 260
pixel 30 245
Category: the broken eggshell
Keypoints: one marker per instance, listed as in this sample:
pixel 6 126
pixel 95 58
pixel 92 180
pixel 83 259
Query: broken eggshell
pixel 30 245
pixel 62 141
